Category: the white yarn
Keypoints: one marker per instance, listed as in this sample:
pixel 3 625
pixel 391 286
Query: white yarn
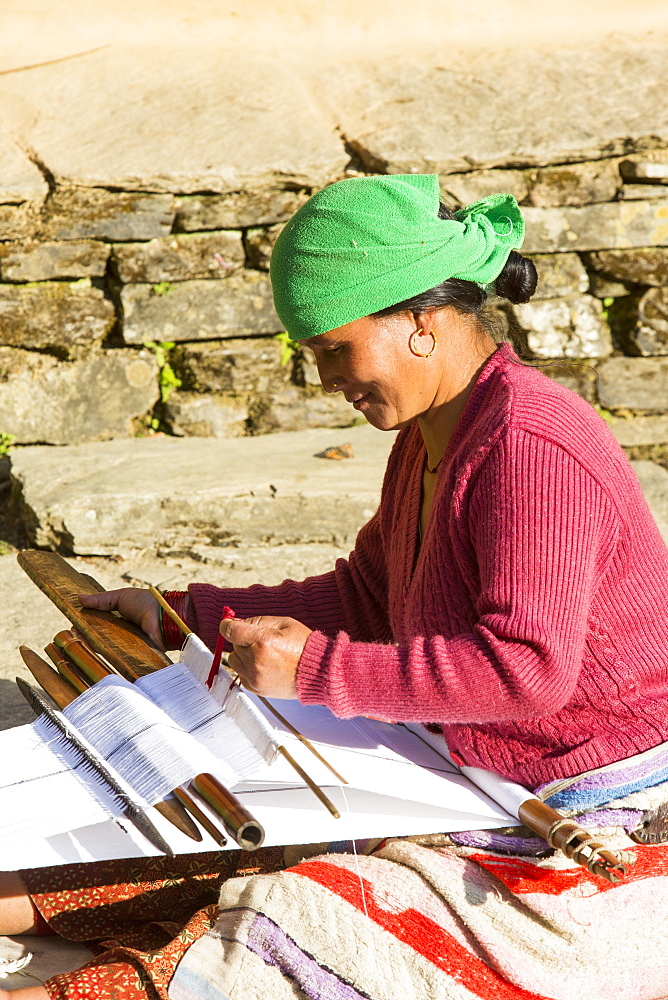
pixel 141 741
pixel 238 734
pixel 168 727
pixel 252 724
pixel 197 657
pixel 238 707
pixel 43 786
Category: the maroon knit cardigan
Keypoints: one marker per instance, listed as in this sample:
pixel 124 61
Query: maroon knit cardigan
pixel 532 622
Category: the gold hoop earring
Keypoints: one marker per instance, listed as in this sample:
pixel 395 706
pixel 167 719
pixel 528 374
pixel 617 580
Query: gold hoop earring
pixel 413 348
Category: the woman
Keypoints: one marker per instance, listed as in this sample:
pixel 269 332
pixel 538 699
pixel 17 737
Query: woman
pixel 512 588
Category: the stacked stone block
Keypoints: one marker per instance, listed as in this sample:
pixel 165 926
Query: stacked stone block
pixel 95 282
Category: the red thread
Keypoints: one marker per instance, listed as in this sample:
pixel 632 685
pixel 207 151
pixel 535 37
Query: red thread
pixel 218 652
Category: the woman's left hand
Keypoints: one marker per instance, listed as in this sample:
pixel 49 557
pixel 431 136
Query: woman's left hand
pixel 266 653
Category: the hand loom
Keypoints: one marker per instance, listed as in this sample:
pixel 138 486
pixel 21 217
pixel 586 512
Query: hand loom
pixel 382 758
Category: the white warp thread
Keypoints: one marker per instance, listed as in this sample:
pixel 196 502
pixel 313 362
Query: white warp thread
pixel 43 786
pixel 167 727
pixel 238 706
pixel 140 740
pixel 238 734
pixel 197 657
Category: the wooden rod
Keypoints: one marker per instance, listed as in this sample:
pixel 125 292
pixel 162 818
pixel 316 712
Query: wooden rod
pixel 188 802
pixel 175 811
pixel 295 732
pixel 238 822
pixel 121 642
pixel 65 668
pixel 58 689
pixel 86 661
pixel 317 791
pixel 571 839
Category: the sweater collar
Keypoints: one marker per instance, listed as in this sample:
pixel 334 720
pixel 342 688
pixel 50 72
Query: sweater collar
pixel 487 375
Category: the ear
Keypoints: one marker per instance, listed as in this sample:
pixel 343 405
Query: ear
pixel 425 319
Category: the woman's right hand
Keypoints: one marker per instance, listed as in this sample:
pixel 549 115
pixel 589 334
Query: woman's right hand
pixel 134 604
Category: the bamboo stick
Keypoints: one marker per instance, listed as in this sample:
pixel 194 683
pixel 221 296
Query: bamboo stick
pixel 65 668
pixel 237 820
pixel 169 611
pixel 295 732
pixel 189 803
pixel 310 782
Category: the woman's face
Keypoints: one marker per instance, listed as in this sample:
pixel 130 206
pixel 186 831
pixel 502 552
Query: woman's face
pixel 370 362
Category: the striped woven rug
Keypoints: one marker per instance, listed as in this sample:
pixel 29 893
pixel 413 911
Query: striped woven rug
pixel 456 923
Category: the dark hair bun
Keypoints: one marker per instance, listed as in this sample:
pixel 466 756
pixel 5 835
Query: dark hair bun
pixel 518 279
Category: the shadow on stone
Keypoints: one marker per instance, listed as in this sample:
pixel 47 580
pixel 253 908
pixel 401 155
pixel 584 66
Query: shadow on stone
pixel 14 710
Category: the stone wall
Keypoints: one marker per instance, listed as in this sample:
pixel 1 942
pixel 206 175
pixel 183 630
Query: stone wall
pixel 110 301
pixel 124 312
pixel 134 294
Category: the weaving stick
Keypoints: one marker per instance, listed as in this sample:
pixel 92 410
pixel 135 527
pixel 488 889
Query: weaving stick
pixel 300 737
pixel 561 834
pixel 49 679
pixel 571 839
pixel 315 788
pixel 238 822
pixel 189 803
pixel 63 694
pixel 317 791
pixel 88 663
pixel 65 668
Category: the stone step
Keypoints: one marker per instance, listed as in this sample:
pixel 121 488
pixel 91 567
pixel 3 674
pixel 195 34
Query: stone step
pixel 174 495
pixel 230 566
pixel 218 502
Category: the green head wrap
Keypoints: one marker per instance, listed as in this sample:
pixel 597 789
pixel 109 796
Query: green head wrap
pixel 366 243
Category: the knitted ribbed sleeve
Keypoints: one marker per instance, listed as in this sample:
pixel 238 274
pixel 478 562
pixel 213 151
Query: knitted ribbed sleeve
pixel 352 598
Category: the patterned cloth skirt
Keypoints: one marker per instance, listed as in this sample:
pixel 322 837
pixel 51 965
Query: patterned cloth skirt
pixel 138 916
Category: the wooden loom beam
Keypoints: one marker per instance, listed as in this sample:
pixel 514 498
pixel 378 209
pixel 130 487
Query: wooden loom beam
pixel 120 642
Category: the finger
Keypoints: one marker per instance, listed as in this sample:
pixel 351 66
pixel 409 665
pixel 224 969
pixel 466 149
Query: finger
pixel 242 633
pixel 237 665
pixel 105 601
